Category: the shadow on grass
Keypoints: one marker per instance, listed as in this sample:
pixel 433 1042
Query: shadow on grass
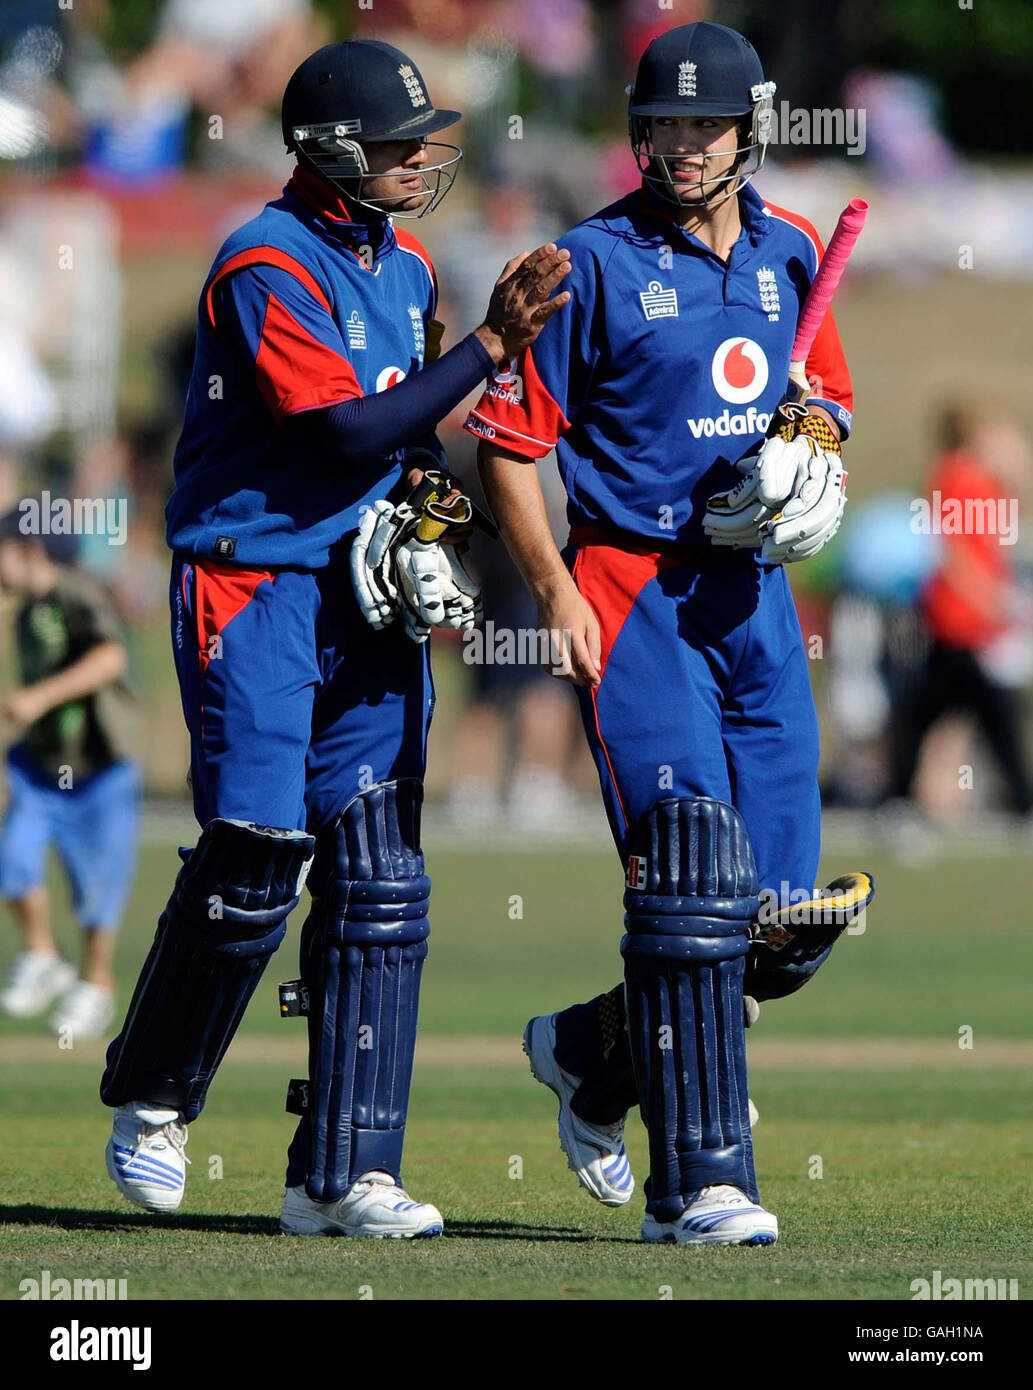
pixel 79 1219
pixel 513 1230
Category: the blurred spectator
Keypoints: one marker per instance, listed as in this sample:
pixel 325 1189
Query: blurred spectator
pixel 902 133
pixel 229 60
pixel 73 779
pixel 556 39
pixel 28 404
pixel 876 638
pixel 979 619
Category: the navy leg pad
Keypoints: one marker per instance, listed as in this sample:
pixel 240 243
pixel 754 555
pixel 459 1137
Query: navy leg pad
pixel 227 914
pixel 363 948
pixel 692 895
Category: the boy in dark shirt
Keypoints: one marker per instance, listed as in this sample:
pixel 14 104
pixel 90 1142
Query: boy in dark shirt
pixel 72 779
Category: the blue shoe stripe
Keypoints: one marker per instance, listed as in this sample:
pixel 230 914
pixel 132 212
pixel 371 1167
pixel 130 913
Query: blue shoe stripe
pixel 141 1166
pixel 710 1222
pixel 141 1172
pixel 619 1175
pixel 149 1180
pixel 141 1157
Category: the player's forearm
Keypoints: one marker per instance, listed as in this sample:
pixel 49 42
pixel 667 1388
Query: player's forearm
pixel 102 665
pixel 514 494
pixel 370 426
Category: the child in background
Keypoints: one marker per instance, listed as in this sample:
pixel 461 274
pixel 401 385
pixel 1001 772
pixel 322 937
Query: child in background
pixel 72 778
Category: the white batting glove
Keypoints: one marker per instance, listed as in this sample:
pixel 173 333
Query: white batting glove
pixel 397 576
pixel 811 517
pixel 435 588
pixel 371 565
pixel 735 518
pixel 790 501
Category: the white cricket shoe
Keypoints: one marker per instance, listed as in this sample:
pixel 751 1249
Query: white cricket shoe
pixel 719 1216
pixel 596 1153
pixel 145 1156
pixel 84 1012
pixel 374 1206
pixel 36 979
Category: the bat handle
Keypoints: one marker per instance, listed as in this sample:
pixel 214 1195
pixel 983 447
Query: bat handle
pixel 799 386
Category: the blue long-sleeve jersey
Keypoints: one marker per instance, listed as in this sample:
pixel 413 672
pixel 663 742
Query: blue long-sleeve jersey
pixel 302 311
pixel 666 366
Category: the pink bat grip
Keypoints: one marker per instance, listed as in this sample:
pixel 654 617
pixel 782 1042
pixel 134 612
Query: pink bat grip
pixel 823 287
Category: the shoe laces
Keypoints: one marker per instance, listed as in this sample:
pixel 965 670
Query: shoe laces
pixel 378 1178
pixel 172 1130
pixel 722 1193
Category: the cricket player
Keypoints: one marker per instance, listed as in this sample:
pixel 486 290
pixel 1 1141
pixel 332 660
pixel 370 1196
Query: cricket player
pixel 308 569
pixel 657 388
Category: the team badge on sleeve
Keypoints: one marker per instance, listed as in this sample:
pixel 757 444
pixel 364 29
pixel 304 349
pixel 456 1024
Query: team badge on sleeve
pixel 635 878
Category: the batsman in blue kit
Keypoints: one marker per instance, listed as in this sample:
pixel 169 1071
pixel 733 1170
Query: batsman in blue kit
pixel 314 529
pixel 689 488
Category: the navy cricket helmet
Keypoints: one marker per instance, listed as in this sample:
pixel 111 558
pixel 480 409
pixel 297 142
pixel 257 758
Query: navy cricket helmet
pixel 701 70
pixel 365 92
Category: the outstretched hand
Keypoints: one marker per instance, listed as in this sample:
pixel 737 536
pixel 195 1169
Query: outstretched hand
pixel 520 305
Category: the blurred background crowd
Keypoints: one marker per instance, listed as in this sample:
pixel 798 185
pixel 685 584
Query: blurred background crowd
pixel 134 134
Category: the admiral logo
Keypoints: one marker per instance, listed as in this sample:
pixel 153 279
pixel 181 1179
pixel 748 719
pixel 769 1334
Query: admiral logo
pixel 635 878
pixel 686 79
pixel 412 85
pixel 356 332
pixel 658 303
pixel 390 376
pixel 739 370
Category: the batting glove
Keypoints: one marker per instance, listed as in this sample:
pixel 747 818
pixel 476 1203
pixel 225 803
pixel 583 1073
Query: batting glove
pixel 399 573
pixel 790 501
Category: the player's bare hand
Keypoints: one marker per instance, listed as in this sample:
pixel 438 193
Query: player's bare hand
pixel 574 640
pixel 520 304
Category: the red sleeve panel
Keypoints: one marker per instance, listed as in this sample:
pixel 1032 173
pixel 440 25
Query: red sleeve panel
pixel 275 311
pixel 518 412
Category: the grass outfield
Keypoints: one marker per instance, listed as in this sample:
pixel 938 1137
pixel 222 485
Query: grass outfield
pixel 924 1147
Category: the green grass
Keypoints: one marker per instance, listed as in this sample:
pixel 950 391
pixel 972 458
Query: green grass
pixel 921 1169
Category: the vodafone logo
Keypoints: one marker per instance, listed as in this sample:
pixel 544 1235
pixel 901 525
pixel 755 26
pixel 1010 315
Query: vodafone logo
pixel 508 384
pixel 739 370
pixel 390 376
